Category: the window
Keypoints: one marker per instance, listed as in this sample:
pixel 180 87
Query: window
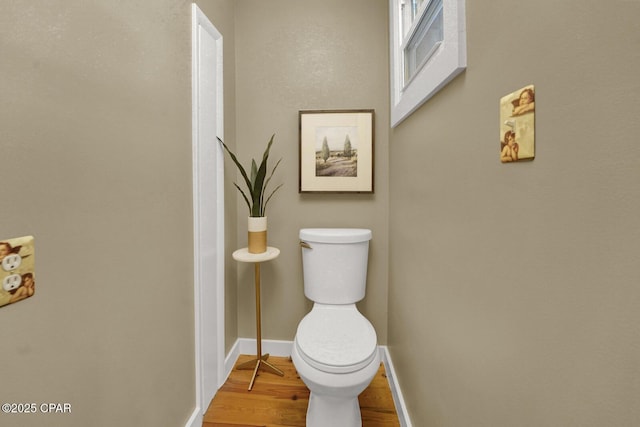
pixel 424 40
pixel 428 49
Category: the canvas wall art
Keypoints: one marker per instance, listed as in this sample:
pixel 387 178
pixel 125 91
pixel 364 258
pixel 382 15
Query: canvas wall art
pixel 517 125
pixel 17 269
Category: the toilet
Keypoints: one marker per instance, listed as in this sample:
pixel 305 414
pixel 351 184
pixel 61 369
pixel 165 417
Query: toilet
pixel 335 349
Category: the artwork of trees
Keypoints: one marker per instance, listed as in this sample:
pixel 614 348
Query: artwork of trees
pixel 336 151
pixel 338 155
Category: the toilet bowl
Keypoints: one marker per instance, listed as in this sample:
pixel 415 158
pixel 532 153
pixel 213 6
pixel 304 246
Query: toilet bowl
pixel 335 348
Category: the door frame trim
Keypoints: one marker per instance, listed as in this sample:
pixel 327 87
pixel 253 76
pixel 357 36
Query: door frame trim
pixel 202 305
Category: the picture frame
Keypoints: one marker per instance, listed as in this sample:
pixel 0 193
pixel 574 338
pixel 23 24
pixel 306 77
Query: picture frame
pixel 336 153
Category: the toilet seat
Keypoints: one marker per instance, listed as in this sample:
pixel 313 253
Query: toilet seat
pixel 336 339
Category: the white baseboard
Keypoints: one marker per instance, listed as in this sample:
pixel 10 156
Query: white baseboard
pixel 196 418
pixel 283 349
pixel 230 361
pixel 398 400
pixel 273 347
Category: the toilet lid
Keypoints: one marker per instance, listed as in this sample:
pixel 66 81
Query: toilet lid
pixel 336 339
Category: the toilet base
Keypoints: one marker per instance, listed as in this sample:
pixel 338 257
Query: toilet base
pixel 333 398
pixel 326 411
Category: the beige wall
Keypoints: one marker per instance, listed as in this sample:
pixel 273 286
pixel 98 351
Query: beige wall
pixel 292 56
pixel 514 288
pixel 95 119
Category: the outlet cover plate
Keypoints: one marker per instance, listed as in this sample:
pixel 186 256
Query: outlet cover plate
pixel 17 275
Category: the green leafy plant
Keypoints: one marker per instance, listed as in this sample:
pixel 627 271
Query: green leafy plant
pixel 257 182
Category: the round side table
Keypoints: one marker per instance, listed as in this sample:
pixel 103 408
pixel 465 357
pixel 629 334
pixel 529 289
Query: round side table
pixel 260 362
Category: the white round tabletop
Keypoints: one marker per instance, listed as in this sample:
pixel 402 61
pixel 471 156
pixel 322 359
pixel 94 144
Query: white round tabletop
pixel 243 255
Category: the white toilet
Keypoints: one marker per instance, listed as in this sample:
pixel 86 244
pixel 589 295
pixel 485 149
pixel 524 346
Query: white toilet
pixel 335 349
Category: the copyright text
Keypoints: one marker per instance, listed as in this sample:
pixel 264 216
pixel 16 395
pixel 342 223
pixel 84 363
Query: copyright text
pixel 34 408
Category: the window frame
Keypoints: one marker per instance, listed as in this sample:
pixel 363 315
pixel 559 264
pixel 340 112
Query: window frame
pixel 447 61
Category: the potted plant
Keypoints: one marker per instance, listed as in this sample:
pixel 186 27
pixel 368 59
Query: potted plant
pixel 256 182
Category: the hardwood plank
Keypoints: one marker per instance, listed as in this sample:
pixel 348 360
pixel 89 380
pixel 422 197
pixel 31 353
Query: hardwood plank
pixel 278 401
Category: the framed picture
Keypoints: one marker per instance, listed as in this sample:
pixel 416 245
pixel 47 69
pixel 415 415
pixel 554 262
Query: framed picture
pixel 336 151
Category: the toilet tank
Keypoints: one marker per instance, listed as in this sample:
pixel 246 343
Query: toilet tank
pixel 334 264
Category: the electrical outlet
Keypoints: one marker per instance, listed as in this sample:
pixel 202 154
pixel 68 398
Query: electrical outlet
pixel 11 262
pixel 11 282
pixel 17 275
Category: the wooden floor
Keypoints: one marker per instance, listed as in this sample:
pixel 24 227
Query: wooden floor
pixel 282 401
